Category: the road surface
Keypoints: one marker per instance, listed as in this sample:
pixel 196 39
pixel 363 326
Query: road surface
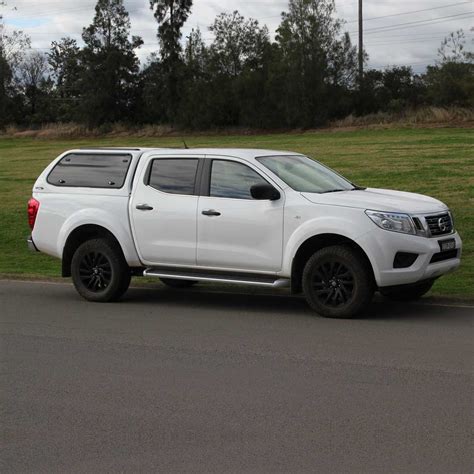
pixel 205 381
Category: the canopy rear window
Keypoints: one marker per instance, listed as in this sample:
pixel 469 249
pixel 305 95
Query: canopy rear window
pixel 91 170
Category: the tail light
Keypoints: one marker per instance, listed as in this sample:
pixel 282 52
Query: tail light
pixel 33 207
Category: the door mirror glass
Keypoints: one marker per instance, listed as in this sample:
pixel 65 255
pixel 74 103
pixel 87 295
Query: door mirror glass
pixel 264 191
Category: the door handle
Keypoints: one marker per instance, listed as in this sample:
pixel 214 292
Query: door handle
pixel 144 207
pixel 210 212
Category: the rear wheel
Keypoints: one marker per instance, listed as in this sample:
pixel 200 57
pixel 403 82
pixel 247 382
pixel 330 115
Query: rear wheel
pixel 99 271
pixel 407 292
pixel 338 282
pixel 174 283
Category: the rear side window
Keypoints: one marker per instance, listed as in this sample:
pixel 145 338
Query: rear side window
pixel 174 176
pixel 91 170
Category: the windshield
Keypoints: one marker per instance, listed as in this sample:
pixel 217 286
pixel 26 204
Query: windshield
pixel 305 175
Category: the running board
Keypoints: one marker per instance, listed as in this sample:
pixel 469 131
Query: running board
pixel 242 279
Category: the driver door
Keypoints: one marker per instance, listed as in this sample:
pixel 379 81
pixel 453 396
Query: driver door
pixel 235 231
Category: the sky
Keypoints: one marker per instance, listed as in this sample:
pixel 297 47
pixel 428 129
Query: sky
pixel 409 33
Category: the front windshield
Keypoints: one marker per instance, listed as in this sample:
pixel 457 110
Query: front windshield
pixel 305 175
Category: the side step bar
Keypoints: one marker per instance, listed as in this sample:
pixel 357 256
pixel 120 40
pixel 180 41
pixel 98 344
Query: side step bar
pixel 242 279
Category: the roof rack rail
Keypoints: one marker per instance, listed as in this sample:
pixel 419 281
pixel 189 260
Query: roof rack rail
pixel 109 148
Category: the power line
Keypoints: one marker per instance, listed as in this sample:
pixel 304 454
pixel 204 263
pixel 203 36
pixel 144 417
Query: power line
pixel 419 41
pixel 416 23
pixel 382 35
pixel 410 12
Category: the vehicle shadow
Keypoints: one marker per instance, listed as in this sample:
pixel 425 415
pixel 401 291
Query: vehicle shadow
pixel 281 302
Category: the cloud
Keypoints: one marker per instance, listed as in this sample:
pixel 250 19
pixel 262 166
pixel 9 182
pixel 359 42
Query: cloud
pixel 415 44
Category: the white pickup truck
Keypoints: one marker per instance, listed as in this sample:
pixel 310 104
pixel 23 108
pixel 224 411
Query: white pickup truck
pixel 256 217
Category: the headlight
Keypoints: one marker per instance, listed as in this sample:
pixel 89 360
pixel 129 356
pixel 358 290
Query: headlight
pixel 394 221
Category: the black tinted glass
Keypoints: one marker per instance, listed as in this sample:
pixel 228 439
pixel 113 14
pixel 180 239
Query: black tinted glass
pixel 174 176
pixel 91 171
pixel 232 180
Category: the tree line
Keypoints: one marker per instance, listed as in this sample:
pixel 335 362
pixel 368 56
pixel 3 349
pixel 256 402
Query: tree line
pixel 305 77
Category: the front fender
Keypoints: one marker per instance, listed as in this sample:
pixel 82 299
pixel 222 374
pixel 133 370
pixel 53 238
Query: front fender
pixel 345 226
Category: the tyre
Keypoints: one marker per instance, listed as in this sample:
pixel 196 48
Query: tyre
pixel 407 292
pixel 99 271
pixel 338 282
pixel 173 283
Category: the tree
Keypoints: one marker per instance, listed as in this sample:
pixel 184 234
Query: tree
pixel 312 57
pixel 5 79
pixel 452 49
pixel 239 44
pixel 196 55
pixel 12 50
pixel 13 46
pixel 33 80
pixel 342 80
pixel 236 61
pixel 109 65
pixel 450 81
pixel 64 60
pixel 153 98
pixel 171 16
pixel 195 109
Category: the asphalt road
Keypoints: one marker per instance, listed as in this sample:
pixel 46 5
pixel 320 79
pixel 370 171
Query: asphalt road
pixel 200 381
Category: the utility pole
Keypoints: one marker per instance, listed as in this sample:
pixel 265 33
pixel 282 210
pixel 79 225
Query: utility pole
pixel 361 45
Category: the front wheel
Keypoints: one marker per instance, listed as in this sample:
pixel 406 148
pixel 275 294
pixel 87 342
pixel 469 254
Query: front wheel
pixel 407 292
pixel 338 282
pixel 99 271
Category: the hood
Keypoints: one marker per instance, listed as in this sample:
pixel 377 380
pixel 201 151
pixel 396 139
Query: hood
pixel 379 200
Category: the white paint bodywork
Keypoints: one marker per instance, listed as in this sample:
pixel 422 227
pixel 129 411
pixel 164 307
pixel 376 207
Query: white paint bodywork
pixel 250 235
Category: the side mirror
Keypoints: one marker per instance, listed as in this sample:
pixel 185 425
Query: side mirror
pixel 264 191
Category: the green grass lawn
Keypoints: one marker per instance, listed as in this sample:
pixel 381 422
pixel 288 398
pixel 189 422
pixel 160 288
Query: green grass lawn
pixel 438 162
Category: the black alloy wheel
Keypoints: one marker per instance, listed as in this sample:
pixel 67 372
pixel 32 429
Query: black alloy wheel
pixel 338 281
pixel 333 283
pixel 95 271
pixel 99 270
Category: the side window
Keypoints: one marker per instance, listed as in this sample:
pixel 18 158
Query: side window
pixel 232 180
pixel 174 176
pixel 90 170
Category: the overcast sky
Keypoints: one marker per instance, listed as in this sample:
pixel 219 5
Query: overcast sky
pixel 408 36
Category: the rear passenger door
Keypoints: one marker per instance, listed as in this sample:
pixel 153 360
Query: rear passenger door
pixel 163 210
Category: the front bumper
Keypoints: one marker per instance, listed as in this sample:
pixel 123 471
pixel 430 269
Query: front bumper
pixel 381 247
pixel 31 244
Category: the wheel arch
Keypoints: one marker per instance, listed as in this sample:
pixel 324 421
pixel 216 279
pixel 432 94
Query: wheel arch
pixel 312 245
pixel 80 235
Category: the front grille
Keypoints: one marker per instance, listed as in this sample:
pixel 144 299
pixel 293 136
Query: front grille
pixel 440 224
pixel 446 255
